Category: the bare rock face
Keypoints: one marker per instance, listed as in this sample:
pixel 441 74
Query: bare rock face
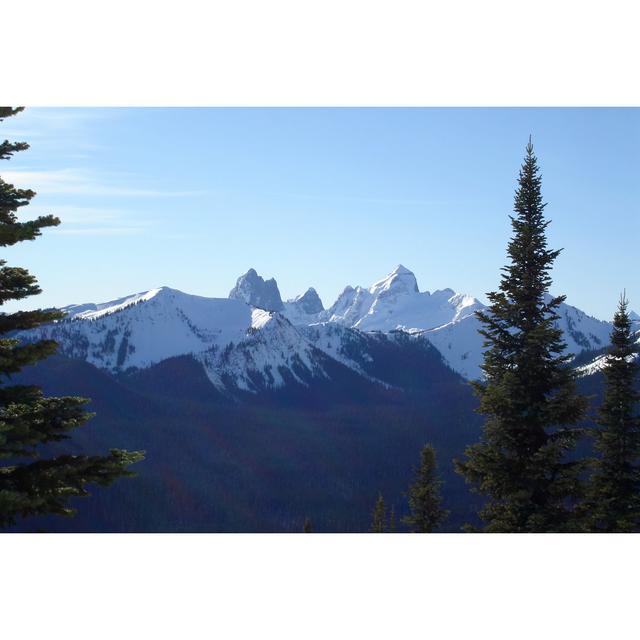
pixel 309 302
pixel 260 293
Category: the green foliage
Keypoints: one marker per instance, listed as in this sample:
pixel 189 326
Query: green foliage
pixel 27 418
pixel 425 502
pixel 378 516
pixel 613 503
pixel 528 394
pixel 392 520
pixel 44 487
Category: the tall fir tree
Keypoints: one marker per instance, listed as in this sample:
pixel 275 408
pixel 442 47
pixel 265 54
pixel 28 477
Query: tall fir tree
pixel 30 486
pixel 528 394
pixel 378 516
pixel 613 503
pixel 392 519
pixel 425 502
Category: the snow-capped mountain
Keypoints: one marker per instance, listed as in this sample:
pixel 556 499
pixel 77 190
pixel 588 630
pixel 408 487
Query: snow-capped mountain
pixel 271 353
pixel 305 309
pixel 395 302
pixel 253 341
pixel 146 328
pixel 460 342
pixel 240 347
pixel 446 318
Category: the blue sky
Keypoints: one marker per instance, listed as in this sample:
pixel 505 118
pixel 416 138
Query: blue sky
pixel 191 198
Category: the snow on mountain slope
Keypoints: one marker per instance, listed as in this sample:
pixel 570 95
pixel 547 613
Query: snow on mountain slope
pixel 348 346
pixel 309 302
pixel 271 353
pixel 600 362
pixel 241 347
pixel 146 328
pixel 305 309
pixel 461 345
pixel 395 302
pixel 581 331
pixel 351 305
pixel 89 309
pixel 244 344
pixel 447 319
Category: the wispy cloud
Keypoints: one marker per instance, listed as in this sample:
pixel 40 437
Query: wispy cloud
pixel 87 192
pixel 78 181
pixel 84 215
pixel 102 231
pixel 95 221
pixel 50 126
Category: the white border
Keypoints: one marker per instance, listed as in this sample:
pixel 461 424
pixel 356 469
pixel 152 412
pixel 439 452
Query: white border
pixel 320 586
pixel 320 52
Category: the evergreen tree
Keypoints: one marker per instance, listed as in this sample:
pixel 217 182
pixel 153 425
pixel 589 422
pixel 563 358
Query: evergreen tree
pixel 307 527
pixel 392 520
pixel 425 502
pixel 528 393
pixel 614 492
pixel 379 516
pixel 31 487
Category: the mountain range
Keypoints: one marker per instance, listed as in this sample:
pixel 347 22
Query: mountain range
pixel 254 341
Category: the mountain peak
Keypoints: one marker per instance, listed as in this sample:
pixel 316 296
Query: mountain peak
pixel 401 270
pixel 309 302
pixel 400 280
pixel 260 293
